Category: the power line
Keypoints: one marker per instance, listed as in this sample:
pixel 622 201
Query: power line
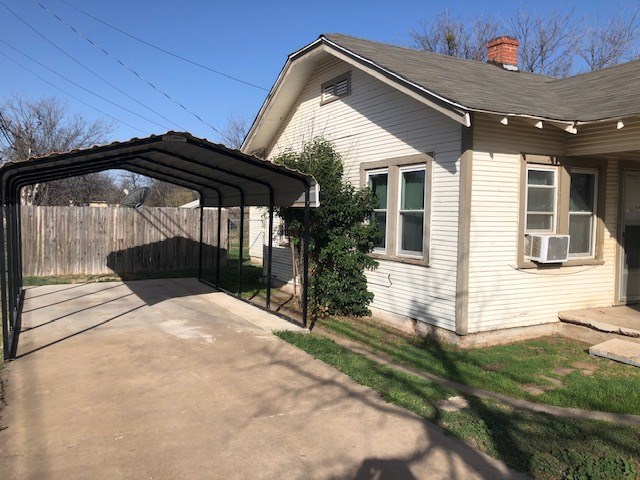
pixel 175 55
pixel 87 68
pixel 130 69
pixel 71 95
pixel 83 88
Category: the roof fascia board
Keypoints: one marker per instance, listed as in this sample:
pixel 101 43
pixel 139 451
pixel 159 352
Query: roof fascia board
pixel 273 93
pixel 604 120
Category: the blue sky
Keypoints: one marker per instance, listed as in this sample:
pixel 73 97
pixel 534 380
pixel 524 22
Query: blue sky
pixel 246 39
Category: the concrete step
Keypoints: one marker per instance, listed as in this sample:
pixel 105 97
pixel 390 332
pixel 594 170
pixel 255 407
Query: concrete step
pixel 623 321
pixel 619 350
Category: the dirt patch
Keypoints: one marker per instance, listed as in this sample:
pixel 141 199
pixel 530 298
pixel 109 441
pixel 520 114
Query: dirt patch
pixel 585 368
pixel 556 382
pixel 535 390
pixel 494 367
pixel 538 350
pixel 563 371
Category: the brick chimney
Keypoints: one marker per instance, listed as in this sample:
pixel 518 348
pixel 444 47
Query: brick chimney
pixel 503 51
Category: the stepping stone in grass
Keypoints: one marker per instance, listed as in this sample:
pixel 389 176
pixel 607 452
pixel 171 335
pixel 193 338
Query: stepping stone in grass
pixel 585 368
pixel 453 404
pixel 536 390
pixel 563 371
pixel 554 381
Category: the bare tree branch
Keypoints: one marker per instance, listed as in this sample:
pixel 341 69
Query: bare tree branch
pixel 451 36
pixel 606 45
pixel 547 43
pixel 32 128
pixel 235 131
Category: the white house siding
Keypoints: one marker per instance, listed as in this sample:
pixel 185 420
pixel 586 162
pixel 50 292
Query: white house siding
pixel 605 138
pixel 376 122
pixel 256 233
pixel 500 295
pixel 258 224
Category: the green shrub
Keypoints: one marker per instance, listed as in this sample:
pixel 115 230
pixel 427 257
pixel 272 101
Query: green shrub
pixel 340 235
pixel 591 467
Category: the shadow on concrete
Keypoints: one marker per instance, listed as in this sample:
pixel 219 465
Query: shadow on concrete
pixel 378 469
pixel 62 317
pixel 459 458
pixel 49 310
pixel 79 332
pixel 49 305
pixel 273 397
pixel 77 285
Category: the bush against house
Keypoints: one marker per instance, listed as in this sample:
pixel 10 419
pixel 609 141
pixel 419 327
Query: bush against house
pixel 341 236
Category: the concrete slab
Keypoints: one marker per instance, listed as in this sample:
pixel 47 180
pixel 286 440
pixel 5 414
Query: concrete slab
pixel 619 350
pixel 161 379
pixel 621 320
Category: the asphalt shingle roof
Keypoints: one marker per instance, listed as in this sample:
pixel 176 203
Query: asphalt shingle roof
pixel 608 93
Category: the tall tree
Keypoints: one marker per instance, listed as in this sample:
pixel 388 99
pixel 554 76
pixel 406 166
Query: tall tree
pixel 547 43
pixel 161 194
pixel 604 45
pixel 550 44
pixel 451 36
pixel 234 131
pixel 33 128
pixel 164 194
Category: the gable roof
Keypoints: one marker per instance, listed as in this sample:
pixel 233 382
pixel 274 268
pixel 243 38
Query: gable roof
pixel 458 86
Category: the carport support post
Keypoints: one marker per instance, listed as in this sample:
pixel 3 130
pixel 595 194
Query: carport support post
pixel 200 251
pixel 305 257
pixel 218 233
pixel 269 250
pixel 240 247
pixel 19 235
pixel 3 284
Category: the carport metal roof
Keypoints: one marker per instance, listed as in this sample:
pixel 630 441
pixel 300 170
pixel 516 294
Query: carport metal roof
pixel 223 177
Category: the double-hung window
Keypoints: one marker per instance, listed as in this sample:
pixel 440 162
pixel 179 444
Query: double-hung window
pixel 411 219
pixel 378 182
pixel 542 194
pixel 582 212
pixel 563 197
pixel 402 187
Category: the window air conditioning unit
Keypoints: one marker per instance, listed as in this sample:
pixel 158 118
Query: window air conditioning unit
pixel 547 248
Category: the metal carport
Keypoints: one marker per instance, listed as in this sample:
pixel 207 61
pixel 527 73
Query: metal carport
pixel 223 177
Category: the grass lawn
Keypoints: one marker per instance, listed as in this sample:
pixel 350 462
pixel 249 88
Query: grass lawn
pixel 251 275
pixel 588 382
pixel 537 444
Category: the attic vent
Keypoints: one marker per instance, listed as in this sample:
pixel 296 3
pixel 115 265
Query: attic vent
pixel 336 88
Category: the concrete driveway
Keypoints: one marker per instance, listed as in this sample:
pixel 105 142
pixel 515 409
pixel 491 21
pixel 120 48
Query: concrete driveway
pixel 166 379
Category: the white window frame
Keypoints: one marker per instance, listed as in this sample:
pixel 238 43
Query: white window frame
pixel 556 187
pixel 594 214
pixel 399 251
pixel 369 174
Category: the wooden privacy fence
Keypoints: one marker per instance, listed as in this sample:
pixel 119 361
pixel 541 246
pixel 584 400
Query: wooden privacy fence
pixel 94 241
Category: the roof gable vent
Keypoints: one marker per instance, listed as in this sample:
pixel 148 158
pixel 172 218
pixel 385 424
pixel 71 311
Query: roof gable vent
pixel 336 88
